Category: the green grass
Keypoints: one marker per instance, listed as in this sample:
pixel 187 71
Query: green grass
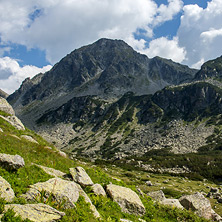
pixel 109 210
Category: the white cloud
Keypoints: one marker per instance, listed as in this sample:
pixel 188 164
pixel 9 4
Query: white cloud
pixel 200 32
pixel 210 35
pixel 166 48
pixel 12 75
pixel 166 12
pixel 63 25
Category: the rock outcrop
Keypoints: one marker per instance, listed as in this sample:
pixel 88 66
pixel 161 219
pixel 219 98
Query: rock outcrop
pixel 80 176
pixel 6 192
pixel 60 189
pixel 29 138
pixel 51 171
pixel 36 212
pixel 6 107
pixel 197 203
pixel 172 203
pixel 157 195
pixel 14 121
pixel 127 199
pixel 98 190
pixel 11 162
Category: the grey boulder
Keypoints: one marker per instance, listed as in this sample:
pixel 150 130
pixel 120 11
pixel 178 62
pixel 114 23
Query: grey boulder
pixel 126 198
pixel 11 162
pixel 6 192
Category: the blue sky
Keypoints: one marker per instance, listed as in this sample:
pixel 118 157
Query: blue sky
pixel 36 34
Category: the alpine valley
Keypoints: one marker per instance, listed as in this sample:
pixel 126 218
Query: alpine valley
pixel 139 140
pixel 105 101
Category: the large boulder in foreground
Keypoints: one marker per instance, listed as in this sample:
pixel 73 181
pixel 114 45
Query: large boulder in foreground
pixel 36 212
pixel 6 107
pixel 60 190
pixel 197 203
pixel 80 176
pixel 127 199
pixel 6 192
pixel 11 162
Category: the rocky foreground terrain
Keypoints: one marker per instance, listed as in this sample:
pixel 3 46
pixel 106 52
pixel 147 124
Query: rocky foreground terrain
pixel 40 183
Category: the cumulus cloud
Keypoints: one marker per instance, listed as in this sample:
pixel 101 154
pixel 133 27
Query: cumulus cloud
pixel 166 48
pixel 12 74
pixel 166 12
pixel 59 26
pixel 200 32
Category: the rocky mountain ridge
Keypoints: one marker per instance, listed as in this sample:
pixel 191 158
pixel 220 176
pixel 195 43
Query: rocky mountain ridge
pixel 107 101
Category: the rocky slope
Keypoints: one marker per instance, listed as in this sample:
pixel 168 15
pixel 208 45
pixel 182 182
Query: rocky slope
pixel 56 188
pixel 107 101
pixel 107 68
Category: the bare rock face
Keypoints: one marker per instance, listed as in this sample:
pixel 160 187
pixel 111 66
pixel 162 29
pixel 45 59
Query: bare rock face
pixel 11 162
pixel 127 199
pixel 98 190
pixel 14 121
pixel 6 191
pixel 29 138
pixel 36 212
pixel 197 203
pixel 60 189
pixel 6 107
pixel 80 176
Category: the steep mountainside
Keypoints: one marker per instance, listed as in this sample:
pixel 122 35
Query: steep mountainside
pixel 102 101
pixel 107 69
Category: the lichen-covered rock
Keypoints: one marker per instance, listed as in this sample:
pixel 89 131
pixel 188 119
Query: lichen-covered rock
pixel 60 190
pixel 197 203
pixel 98 190
pixel 149 183
pixel 63 154
pixel 215 216
pixel 157 195
pixel 11 162
pixel 52 171
pixel 14 121
pixel 6 107
pixel 29 138
pixel 127 199
pixel 87 199
pixel 6 191
pixel 36 212
pixel 172 203
pixel 80 176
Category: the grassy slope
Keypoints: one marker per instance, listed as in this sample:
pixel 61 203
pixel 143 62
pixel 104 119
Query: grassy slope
pixel 110 211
